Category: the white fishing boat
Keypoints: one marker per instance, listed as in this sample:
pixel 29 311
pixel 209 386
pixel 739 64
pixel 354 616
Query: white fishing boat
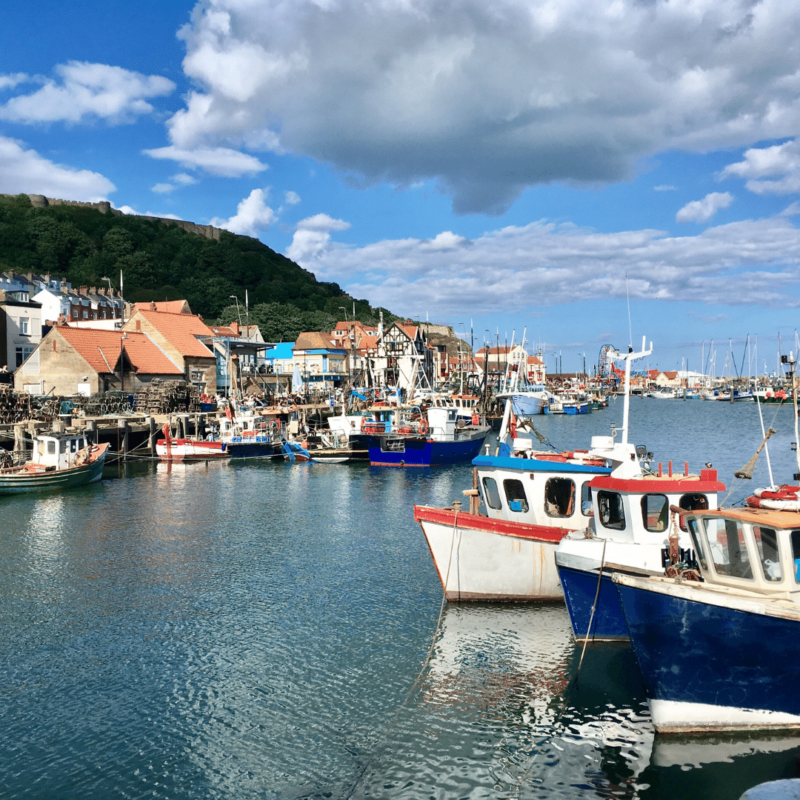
pixel 58 461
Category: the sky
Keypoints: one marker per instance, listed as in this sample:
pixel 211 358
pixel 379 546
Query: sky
pixel 578 173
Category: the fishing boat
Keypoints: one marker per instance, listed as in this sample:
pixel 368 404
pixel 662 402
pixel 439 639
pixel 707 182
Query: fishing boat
pixel 439 435
pixel 532 499
pixel 567 403
pixel 628 527
pixel 169 449
pixel 58 461
pixel 719 647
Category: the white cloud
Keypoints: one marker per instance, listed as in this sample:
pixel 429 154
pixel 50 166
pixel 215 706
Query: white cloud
pixel 322 222
pixel 24 171
pixel 447 240
pixel 10 81
pixel 134 213
pixel 703 210
pixel 517 269
pixel 313 237
pixel 214 160
pixel 782 160
pixel 291 198
pixel 252 216
pixel 181 179
pixel 87 91
pixel 488 98
pixel 664 188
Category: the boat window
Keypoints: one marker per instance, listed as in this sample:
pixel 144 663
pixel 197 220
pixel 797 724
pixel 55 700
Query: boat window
pixel 796 554
pixel 655 512
pixel 51 447
pixel 73 445
pixel 491 493
pixel 559 497
pixel 586 500
pixel 767 543
pixel 727 547
pixel 692 502
pixel 515 495
pixel 612 514
pixel 699 544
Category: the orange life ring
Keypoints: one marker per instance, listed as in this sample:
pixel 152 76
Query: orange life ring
pixel 423 427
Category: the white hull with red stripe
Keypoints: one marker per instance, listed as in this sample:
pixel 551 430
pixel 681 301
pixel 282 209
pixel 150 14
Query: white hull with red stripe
pixel 190 450
pixel 478 558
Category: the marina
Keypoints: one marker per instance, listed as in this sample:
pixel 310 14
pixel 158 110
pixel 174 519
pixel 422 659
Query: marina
pixel 259 628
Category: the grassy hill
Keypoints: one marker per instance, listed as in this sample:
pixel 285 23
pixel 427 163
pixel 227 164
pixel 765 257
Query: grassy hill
pixel 164 262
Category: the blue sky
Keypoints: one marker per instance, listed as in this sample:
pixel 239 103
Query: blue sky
pixel 500 163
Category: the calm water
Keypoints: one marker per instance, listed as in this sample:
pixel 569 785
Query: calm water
pixel 256 630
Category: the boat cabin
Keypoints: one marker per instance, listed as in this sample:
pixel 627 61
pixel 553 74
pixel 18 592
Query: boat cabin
pixel 251 427
pixel 636 510
pixel 59 450
pixel 753 549
pixel 550 491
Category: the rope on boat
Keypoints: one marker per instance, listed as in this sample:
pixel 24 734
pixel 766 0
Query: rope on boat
pixel 393 721
pixel 746 472
pixel 594 608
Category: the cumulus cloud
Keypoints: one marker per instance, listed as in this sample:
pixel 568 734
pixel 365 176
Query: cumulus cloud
pixel 24 171
pixel 518 268
pixel 781 161
pixel 291 198
pixel 703 210
pixel 215 160
pixel 313 237
pixel 86 91
pixel 252 215
pixel 487 98
pixel 10 81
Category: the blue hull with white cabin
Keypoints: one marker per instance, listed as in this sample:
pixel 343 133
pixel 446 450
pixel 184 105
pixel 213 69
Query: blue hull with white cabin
pixel 706 665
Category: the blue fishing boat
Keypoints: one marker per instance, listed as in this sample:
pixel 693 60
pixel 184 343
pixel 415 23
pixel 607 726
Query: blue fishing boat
pixel 440 436
pixel 724 653
pixel 628 527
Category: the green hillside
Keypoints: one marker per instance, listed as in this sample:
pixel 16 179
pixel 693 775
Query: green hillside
pixel 165 262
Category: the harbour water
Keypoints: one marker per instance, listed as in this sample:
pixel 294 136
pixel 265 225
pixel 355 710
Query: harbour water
pixel 267 630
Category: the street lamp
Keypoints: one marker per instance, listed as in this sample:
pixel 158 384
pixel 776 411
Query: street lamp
pixel 122 361
pixel 238 313
pixel 342 308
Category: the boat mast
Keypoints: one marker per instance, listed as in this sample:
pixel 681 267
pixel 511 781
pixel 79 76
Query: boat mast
pixel 627 358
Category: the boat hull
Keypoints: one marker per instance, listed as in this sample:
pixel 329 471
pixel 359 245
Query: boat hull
pixel 580 589
pixel 713 660
pixel 190 450
pixel 52 481
pixel 417 451
pixel 483 559
pixel 253 448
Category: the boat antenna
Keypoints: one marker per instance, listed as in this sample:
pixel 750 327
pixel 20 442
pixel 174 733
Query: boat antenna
pixel 630 327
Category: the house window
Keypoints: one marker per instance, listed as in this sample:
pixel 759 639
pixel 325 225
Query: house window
pixel 22 352
pixel 24 326
pixel 85 314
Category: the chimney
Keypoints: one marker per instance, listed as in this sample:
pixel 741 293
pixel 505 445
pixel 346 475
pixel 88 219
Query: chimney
pixel 153 306
pixel 235 328
pixel 83 290
pixel 63 286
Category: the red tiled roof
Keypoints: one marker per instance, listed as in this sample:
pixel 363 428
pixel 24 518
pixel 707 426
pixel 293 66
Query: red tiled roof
pixel 224 330
pixel 535 360
pixel 410 330
pixel 180 330
pixel 368 343
pixel 102 349
pixel 168 307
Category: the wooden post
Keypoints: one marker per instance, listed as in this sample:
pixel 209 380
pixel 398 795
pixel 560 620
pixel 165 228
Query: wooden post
pixel 122 431
pixel 151 439
pixel 19 437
